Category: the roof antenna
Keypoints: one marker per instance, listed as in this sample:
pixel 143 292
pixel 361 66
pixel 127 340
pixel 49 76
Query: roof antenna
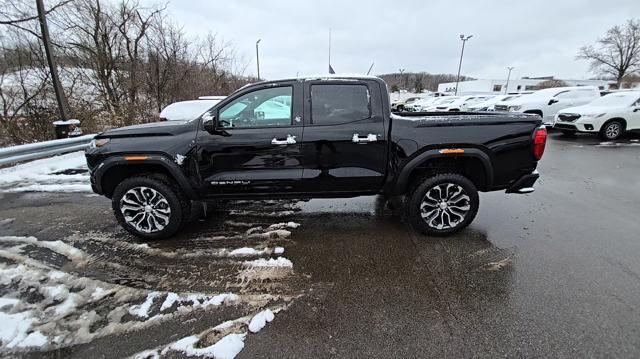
pixel 370 67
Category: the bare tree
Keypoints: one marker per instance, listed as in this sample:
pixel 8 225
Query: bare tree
pixel 617 54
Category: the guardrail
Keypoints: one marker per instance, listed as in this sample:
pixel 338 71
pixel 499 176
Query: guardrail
pixel 37 150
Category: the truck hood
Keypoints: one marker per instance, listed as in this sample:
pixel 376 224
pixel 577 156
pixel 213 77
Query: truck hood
pixel 166 128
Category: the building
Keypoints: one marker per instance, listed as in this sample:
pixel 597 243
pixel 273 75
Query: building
pixel 515 85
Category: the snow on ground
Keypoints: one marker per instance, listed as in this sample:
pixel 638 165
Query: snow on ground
pixel 64 173
pixel 46 308
pixel 223 341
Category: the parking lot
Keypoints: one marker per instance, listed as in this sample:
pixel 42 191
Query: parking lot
pixel 553 273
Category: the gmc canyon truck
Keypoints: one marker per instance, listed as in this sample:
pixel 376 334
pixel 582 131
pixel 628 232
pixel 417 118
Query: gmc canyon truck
pixel 315 137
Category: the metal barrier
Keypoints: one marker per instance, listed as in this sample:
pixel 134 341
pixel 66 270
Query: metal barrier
pixel 37 150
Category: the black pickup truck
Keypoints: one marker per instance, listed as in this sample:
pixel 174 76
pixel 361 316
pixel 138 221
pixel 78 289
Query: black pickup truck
pixel 315 137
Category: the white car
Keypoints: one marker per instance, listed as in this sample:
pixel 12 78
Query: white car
pixel 187 110
pixel 421 104
pixel 609 116
pixel 440 101
pixel 548 102
pixel 488 105
pixel 461 103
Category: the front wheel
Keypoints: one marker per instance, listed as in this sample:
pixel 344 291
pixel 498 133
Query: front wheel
pixel 443 204
pixel 611 130
pixel 150 207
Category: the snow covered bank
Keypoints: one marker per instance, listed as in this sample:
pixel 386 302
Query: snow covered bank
pixel 64 173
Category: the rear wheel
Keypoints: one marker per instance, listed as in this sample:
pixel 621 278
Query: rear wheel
pixel 150 207
pixel 611 130
pixel 443 204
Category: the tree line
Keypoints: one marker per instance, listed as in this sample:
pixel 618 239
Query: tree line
pixel 119 64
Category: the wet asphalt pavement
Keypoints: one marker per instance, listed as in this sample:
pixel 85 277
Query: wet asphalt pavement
pixel 550 274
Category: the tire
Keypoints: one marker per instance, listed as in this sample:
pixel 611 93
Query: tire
pixel 438 187
pixel 612 130
pixel 569 133
pixel 156 208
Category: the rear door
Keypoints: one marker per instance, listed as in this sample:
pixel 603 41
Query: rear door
pixel 257 147
pixel 345 144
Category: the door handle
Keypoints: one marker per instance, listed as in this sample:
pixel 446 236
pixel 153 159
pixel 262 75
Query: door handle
pixel 364 139
pixel 289 141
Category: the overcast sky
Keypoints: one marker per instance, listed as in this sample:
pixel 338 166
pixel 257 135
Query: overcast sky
pixel 539 38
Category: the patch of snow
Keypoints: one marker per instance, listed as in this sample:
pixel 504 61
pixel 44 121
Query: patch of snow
pixel 69 188
pixel 284 225
pixel 58 246
pixel 226 348
pixel 179 159
pixel 169 300
pixel 279 262
pixel 14 330
pixel 142 310
pixel 245 252
pixel 278 250
pixel 260 320
pixel 38 175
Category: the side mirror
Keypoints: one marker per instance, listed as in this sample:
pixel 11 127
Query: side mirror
pixel 209 122
pixel 553 100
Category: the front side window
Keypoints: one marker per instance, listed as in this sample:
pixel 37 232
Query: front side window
pixel 260 108
pixel 334 104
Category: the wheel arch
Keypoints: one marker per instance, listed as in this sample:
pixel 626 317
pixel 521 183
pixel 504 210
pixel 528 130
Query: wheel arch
pixel 622 120
pixel 473 163
pixel 115 169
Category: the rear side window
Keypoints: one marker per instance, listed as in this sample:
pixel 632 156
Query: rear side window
pixel 334 104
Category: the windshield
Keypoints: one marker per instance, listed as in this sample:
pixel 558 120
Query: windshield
pixel 186 110
pixel 620 99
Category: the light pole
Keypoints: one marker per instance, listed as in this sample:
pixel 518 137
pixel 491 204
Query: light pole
pixel 57 87
pixel 506 87
pixel 258 58
pixel 464 40
pixel 401 77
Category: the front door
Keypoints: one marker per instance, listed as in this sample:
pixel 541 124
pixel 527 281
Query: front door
pixel 256 147
pixel 344 144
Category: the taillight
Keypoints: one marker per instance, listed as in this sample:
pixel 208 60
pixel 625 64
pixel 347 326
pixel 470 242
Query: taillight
pixel 539 142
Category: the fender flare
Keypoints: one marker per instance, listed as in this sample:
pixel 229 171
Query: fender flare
pixel 165 162
pixel 405 172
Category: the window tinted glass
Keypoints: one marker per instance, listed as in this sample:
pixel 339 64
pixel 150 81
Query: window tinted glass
pixel 267 107
pixel 331 104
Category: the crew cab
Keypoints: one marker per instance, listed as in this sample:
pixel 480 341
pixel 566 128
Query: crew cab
pixel 609 116
pixel 337 138
pixel 548 102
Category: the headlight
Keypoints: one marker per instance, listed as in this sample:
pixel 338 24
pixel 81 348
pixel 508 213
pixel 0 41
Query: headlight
pixel 99 142
pixel 514 108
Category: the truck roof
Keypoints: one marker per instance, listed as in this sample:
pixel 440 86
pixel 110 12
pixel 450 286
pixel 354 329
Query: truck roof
pixel 322 77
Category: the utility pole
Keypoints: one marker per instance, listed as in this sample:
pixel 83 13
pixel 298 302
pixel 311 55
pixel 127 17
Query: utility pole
pixel 62 101
pixel 258 58
pixel 401 77
pixel 464 40
pixel 506 87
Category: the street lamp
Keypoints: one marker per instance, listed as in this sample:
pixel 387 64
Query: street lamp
pixel 401 77
pixel 258 58
pixel 464 40
pixel 506 87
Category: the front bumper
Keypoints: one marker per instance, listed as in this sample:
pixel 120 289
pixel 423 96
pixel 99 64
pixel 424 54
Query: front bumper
pixel 524 184
pixel 578 127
